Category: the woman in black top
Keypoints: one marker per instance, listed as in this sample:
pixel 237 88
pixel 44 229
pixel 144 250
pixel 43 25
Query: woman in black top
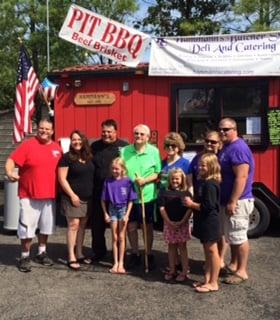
pixel 75 175
pixel 206 219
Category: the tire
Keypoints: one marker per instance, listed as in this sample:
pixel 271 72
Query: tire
pixel 259 219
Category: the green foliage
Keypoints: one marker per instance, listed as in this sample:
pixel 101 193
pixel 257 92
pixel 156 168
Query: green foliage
pixel 27 19
pixel 258 15
pixel 181 17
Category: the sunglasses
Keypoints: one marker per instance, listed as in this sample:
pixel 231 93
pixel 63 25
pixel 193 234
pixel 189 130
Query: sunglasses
pixel 139 133
pixel 211 141
pixel 173 146
pixel 225 129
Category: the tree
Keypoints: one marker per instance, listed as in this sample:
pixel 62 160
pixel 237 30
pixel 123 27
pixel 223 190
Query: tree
pixel 257 15
pixel 27 20
pixel 181 17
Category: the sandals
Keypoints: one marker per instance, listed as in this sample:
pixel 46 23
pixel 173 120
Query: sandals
pixel 235 279
pixel 71 263
pixel 182 277
pixel 84 260
pixel 205 289
pixel 170 276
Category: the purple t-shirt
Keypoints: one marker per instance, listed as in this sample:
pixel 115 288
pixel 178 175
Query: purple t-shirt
pixel 193 169
pixel 234 154
pixel 118 192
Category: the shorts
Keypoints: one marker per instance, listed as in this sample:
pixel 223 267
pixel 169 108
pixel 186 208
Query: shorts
pixel 237 225
pixel 136 212
pixel 36 214
pixel 178 235
pixel 117 213
pixel 69 211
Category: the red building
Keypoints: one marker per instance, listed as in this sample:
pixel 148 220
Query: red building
pixel 89 95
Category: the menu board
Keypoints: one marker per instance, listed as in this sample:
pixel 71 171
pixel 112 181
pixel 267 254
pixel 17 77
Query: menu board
pixel 273 118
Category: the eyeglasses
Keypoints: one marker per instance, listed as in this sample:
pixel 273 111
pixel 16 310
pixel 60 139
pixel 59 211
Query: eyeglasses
pixel 139 133
pixel 167 145
pixel 211 141
pixel 225 129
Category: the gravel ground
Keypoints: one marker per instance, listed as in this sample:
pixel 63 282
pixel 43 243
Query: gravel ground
pixel 93 293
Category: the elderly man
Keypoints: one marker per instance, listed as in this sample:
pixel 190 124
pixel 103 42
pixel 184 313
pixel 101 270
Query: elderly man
pixel 37 159
pixel 143 164
pixel 237 166
pixel 104 151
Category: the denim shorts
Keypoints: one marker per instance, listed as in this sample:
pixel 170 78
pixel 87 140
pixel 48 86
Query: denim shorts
pixel 136 212
pixel 117 212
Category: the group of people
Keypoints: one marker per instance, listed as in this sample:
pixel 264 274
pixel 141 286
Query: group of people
pixel 113 182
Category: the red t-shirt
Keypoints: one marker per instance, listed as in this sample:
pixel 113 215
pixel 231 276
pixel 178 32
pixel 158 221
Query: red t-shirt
pixel 37 164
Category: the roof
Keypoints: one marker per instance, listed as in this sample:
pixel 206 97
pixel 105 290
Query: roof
pixel 101 69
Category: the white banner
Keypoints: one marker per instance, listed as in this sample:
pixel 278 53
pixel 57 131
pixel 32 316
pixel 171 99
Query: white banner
pixel 105 36
pixel 251 54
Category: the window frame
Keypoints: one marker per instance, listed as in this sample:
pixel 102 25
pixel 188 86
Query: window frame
pixel 219 85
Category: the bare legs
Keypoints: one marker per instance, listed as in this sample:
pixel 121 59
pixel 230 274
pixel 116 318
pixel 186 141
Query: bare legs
pixel 212 268
pixel 173 260
pixel 75 239
pixel 239 259
pixel 222 247
pixel 26 243
pixel 118 229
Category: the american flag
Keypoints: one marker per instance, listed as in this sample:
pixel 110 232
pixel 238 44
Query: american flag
pixel 26 88
pixel 49 89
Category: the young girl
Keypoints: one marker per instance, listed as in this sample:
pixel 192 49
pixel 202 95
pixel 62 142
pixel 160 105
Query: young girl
pixel 116 201
pixel 176 228
pixel 206 219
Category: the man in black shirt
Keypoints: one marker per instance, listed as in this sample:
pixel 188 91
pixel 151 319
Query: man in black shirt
pixel 104 151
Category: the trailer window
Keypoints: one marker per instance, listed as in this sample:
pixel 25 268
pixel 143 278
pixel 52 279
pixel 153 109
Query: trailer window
pixel 200 108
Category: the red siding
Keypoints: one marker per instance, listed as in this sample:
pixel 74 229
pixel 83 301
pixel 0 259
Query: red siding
pixel 148 101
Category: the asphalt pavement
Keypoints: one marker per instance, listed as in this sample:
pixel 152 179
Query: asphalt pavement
pixel 93 293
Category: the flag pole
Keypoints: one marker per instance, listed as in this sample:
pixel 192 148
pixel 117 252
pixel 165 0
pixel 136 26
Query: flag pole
pixel 48 38
pixel 48 103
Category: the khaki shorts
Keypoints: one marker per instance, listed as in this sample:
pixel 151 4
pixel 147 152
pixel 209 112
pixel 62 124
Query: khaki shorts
pixel 36 214
pixel 237 225
pixel 69 211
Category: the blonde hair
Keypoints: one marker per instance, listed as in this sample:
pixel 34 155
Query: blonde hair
pixel 213 166
pixel 176 139
pixel 183 178
pixel 119 161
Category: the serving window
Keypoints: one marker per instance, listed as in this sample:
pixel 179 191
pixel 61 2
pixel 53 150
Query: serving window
pixel 200 107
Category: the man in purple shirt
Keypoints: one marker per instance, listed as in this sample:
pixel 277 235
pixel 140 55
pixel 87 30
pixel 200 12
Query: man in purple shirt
pixel 237 165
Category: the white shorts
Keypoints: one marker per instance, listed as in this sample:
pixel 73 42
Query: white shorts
pixel 237 225
pixel 36 214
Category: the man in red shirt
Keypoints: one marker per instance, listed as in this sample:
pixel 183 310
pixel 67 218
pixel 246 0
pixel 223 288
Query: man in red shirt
pixel 37 160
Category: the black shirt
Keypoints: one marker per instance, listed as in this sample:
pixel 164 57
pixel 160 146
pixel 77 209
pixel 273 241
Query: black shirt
pixel 103 154
pixel 207 220
pixel 80 176
pixel 172 201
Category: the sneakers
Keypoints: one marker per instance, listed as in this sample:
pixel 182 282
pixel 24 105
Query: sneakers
pixel 43 259
pixel 133 261
pixel 24 265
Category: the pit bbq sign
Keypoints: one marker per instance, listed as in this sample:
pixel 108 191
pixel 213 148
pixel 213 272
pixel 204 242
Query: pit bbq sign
pixel 99 34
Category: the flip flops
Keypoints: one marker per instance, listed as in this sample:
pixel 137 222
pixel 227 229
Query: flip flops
pixel 229 270
pixel 205 289
pixel 235 279
pixel 181 277
pixel 70 265
pixel 84 260
pixel 170 276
